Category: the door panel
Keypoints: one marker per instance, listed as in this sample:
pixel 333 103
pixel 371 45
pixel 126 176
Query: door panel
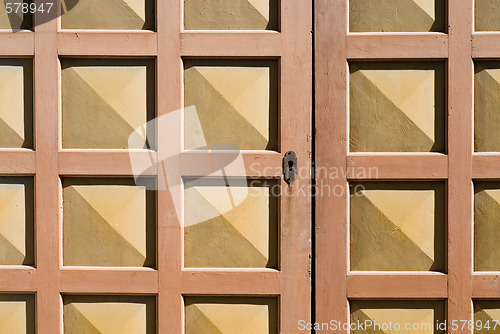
pixel 413 205
pixel 154 135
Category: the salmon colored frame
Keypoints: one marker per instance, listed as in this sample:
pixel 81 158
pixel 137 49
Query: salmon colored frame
pixel 170 281
pixel 334 47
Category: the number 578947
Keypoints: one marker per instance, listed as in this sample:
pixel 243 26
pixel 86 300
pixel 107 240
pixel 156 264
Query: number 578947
pixel 18 7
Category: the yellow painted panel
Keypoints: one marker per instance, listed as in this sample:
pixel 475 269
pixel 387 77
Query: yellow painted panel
pixel 230 315
pixel 397 107
pixel 16 103
pixel 397 226
pixel 486 105
pixel 15 20
pixel 17 314
pixel 109 315
pixel 397 15
pixel 231 15
pixel 487 15
pixel 16 221
pixel 487 315
pixel 486 226
pixel 109 14
pixel 230 227
pixel 236 103
pixel 104 101
pixel 386 316
pixel 108 223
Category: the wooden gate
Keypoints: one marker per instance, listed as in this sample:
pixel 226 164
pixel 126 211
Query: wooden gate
pixel 410 235
pixel 104 254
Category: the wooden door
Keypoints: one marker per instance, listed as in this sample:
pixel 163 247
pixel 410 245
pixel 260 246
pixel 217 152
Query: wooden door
pixel 95 97
pixel 405 109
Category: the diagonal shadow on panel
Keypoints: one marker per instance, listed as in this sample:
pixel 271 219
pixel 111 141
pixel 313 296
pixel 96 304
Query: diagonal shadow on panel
pixel 375 236
pixel 232 14
pixel 76 322
pixel 397 15
pixel 105 125
pixel 229 125
pixel 386 128
pixel 109 14
pixel 110 249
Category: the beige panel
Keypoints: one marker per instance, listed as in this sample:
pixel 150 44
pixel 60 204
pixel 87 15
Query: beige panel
pixel 109 315
pixel 109 14
pixel 397 226
pixel 230 227
pixel 104 101
pixel 423 314
pixel 16 221
pixel 236 103
pixel 487 315
pixel 486 226
pixel 15 20
pixel 17 314
pixel 397 15
pixel 16 103
pixel 231 315
pixel 486 104
pixel 397 107
pixel 231 14
pixel 487 15
pixel 108 223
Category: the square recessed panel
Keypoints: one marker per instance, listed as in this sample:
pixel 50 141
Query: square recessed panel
pixel 236 103
pixel 486 316
pixel 421 315
pixel 16 103
pixel 105 101
pixel 397 107
pixel 17 314
pixel 487 15
pixel 230 315
pixel 231 15
pixel 397 15
pixel 109 314
pixel 16 221
pixel 397 226
pixel 109 14
pixel 487 226
pixel 230 226
pixel 486 106
pixel 108 222
pixel 16 20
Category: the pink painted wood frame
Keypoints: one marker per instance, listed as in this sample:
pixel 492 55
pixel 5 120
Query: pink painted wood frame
pixel 334 47
pixel 170 281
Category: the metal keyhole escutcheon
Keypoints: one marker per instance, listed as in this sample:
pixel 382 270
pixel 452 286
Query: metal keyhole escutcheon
pixel 290 167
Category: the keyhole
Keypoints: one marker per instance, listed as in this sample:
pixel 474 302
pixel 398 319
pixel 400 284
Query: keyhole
pixel 289 166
